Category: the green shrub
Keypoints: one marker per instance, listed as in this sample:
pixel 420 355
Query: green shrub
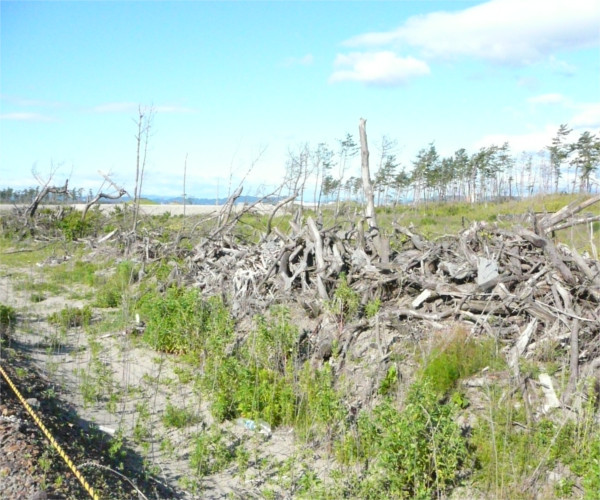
pixel 578 445
pixel 372 308
pixel 73 227
pixel 416 452
pixel 71 317
pixel 428 221
pixel 178 417
pixel 256 381
pixel 319 406
pixel 211 452
pixel 390 381
pixel 508 447
pixel 346 301
pixel 181 321
pixel 8 317
pixel 111 293
pixel 262 381
pixel 460 357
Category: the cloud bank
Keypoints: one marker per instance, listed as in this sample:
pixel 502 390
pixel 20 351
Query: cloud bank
pixel 377 68
pixel 504 32
pixel 26 117
pixel 501 31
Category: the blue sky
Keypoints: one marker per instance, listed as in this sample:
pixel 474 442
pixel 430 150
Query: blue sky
pixel 236 84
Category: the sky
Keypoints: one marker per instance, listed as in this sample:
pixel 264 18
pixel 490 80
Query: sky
pixel 236 87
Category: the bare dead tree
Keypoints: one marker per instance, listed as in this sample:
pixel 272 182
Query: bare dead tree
pixel 144 124
pixel 184 179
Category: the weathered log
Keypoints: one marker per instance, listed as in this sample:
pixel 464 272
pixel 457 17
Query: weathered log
pixel 318 241
pixel 551 251
pixel 548 223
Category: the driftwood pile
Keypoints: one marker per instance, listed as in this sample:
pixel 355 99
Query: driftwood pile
pixel 516 285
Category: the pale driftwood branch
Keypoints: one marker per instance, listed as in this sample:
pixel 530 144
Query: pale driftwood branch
pixel 572 223
pixel 318 241
pixel 100 196
pixel 277 207
pixel 551 251
pixel 570 210
pixel 226 210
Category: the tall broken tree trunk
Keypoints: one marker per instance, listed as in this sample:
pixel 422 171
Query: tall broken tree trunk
pixel 381 244
pixel 366 177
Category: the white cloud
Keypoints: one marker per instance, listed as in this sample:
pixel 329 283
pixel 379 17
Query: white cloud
pixel 116 107
pixel 28 103
pixel 502 31
pixel 528 82
pixel 561 67
pixel 588 117
pixel 547 99
pixel 305 60
pixel 26 117
pixel 377 68
pixel 131 107
pixel 531 141
pixel 167 108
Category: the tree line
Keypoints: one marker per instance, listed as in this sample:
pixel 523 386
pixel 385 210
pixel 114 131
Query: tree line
pixel 326 175
pixel 323 174
pixel 26 195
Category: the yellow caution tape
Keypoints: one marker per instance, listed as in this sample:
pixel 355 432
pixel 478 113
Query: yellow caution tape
pixel 46 432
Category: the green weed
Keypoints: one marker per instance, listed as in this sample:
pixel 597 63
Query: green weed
pixel 390 381
pixel 182 322
pixel 416 452
pixel 112 292
pixel 8 318
pixel 71 317
pixel 179 417
pixel 211 452
pixel 457 357
pixel 345 302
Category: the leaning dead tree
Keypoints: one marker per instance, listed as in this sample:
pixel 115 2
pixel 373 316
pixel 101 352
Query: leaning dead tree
pixel 119 193
pixel 47 189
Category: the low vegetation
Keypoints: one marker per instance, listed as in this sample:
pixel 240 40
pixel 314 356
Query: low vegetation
pixel 400 411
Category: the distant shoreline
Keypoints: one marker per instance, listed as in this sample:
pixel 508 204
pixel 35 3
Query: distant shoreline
pixel 153 209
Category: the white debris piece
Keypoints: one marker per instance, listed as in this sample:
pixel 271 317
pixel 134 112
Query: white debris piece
pixel 549 393
pixel 486 270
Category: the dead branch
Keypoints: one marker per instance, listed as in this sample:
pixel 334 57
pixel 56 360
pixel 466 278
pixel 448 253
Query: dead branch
pixel 100 196
pixel 548 223
pixel 277 207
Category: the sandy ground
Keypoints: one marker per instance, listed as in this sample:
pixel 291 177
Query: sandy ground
pixel 159 209
pixel 148 382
